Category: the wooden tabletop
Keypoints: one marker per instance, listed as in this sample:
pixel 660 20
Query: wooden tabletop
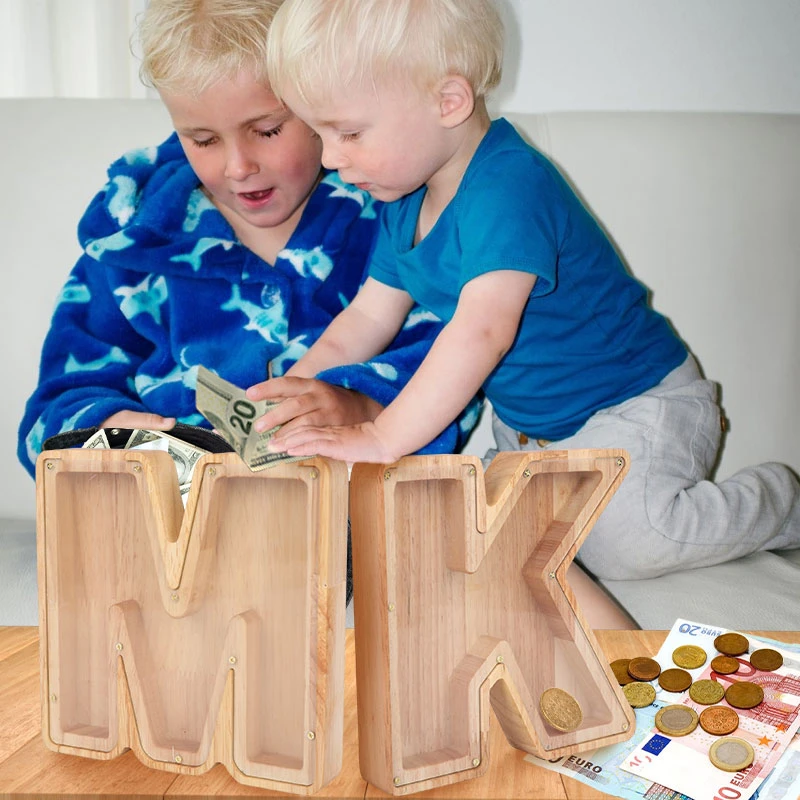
pixel 29 770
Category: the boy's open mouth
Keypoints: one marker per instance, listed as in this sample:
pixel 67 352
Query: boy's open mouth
pixel 254 197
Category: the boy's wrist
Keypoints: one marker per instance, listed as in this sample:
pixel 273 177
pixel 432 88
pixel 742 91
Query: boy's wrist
pixel 301 369
pixel 390 438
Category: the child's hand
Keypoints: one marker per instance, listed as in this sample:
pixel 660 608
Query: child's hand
pixel 306 401
pixel 346 443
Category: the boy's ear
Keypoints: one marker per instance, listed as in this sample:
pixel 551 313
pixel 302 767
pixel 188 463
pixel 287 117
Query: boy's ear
pixel 456 100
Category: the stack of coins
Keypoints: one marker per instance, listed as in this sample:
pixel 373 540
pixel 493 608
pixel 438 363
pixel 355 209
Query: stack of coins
pixel 639 692
pixel 727 752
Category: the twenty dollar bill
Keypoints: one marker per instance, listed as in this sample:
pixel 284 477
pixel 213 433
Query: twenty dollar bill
pixel 227 408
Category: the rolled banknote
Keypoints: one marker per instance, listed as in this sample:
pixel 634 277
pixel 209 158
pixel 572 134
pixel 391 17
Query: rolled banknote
pixel 229 410
pixel 139 437
pixel 97 441
pixel 184 455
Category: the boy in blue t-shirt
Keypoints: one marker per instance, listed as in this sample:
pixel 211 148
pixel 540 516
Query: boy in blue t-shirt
pixel 541 315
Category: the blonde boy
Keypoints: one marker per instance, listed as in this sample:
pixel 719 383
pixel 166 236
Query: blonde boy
pixel 541 314
pixel 226 245
pixel 396 93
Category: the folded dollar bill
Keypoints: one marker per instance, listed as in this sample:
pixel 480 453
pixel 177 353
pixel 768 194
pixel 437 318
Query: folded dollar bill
pixel 184 455
pixel 228 409
pixel 97 441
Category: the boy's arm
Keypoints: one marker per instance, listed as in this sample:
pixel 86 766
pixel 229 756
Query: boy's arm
pixel 355 393
pixel 362 330
pixel 469 347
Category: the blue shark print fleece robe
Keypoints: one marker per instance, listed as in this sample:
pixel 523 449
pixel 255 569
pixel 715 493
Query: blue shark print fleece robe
pixel 163 286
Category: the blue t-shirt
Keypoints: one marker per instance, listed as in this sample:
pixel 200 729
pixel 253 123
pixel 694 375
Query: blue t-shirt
pixel 587 339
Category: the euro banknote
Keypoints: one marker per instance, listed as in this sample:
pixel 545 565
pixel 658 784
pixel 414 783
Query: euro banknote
pixel 683 763
pixel 601 768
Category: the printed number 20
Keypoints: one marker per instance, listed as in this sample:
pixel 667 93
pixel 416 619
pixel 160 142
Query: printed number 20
pixel 690 629
pixel 243 416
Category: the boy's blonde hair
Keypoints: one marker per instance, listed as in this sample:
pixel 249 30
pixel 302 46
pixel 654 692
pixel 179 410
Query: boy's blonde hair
pixel 188 45
pixel 316 46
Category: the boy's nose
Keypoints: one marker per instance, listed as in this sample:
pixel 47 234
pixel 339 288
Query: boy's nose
pixel 332 156
pixel 239 164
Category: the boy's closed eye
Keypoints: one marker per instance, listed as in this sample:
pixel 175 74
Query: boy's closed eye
pixel 266 133
pixel 271 131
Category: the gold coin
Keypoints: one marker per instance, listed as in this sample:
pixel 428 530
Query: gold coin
pixel 706 692
pixel 731 644
pixel 766 659
pixel 620 670
pixel 689 656
pixel 644 669
pixel 675 680
pixel 560 709
pixel 676 720
pixel 744 694
pixel 731 754
pixel 724 665
pixel 639 694
pixel 719 720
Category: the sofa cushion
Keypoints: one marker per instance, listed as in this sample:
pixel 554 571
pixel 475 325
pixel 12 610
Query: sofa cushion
pixel 758 592
pixel 18 597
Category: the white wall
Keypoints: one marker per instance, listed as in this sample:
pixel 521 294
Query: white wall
pixel 69 48
pixel 685 55
pixel 712 55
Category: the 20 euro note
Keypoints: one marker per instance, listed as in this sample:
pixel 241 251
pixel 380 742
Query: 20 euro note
pixel 601 768
pixel 682 762
pixel 229 410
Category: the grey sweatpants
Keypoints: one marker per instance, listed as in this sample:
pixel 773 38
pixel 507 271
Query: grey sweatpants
pixel 666 515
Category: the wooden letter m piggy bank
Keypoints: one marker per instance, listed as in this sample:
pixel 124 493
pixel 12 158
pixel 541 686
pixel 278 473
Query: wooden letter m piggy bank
pixel 214 634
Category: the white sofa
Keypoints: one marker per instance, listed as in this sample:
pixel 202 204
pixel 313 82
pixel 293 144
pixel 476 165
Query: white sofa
pixel 705 208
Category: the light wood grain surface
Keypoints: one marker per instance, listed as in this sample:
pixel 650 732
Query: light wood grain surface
pixel 151 614
pixel 480 614
pixel 29 770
